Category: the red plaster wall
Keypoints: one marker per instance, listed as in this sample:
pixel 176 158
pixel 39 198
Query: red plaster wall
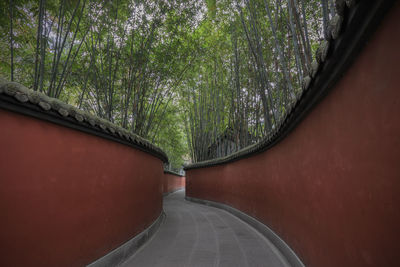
pixel 331 189
pixel 173 182
pixel 67 198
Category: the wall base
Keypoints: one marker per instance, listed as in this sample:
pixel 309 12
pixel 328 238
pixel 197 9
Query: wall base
pixel 286 251
pixel 123 252
pixel 176 190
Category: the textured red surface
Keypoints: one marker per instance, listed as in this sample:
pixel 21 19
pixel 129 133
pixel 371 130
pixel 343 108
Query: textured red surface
pixel 331 189
pixel 173 182
pixel 67 198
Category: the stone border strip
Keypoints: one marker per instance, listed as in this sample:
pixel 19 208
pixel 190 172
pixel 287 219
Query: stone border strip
pixel 17 98
pixel 174 191
pixel 349 31
pixel 126 250
pixel 267 232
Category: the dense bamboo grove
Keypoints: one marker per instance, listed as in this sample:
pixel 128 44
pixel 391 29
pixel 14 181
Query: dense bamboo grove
pixel 255 55
pixel 200 79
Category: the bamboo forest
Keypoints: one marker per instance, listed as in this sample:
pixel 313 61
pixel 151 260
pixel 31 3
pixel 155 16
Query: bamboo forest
pixel 199 78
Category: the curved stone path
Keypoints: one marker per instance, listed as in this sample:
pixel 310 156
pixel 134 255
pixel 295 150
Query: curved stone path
pixel 198 235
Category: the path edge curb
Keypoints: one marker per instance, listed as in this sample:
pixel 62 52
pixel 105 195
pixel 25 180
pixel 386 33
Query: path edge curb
pixel 174 191
pixel 119 255
pixel 264 230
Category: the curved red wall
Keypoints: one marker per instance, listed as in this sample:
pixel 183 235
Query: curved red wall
pixel 331 188
pixel 68 198
pixel 173 182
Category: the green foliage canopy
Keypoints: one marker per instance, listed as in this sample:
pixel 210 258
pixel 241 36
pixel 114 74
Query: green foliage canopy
pixel 199 78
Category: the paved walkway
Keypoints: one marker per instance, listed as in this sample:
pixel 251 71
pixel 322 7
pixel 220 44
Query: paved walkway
pixel 198 235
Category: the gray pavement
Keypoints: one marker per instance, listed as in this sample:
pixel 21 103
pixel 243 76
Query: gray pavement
pixel 198 235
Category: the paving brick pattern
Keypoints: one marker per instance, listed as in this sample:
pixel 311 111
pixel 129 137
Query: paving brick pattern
pixel 198 235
